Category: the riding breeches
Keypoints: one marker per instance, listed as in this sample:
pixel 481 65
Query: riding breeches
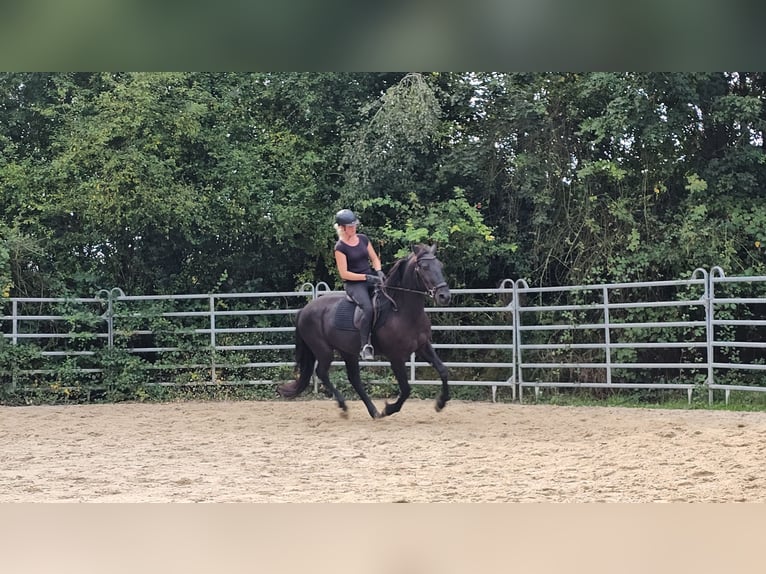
pixel 360 294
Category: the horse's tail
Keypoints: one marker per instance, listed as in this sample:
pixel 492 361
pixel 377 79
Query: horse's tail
pixel 304 365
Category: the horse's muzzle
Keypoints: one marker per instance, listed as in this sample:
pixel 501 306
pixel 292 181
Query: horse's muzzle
pixel 442 295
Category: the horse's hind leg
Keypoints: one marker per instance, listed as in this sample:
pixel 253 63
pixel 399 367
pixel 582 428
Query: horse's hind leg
pixel 400 372
pixel 427 353
pixel 323 372
pixel 352 369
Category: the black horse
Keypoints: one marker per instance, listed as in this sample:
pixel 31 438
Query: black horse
pixel 401 328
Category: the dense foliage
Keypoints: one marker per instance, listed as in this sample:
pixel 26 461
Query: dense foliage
pixel 199 182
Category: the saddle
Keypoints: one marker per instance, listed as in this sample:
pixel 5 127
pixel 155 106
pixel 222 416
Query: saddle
pixel 348 315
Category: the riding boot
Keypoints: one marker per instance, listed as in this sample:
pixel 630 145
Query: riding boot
pixel 367 353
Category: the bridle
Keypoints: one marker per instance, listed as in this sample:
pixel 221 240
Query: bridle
pixel 430 290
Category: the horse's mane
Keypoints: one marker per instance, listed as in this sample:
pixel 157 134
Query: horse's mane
pixel 396 273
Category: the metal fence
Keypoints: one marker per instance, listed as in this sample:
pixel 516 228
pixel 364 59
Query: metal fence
pixel 706 332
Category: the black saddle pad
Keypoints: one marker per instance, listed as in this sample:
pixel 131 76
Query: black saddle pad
pixel 344 315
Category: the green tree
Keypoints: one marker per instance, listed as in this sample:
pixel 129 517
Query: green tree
pixel 396 181
pixel 180 182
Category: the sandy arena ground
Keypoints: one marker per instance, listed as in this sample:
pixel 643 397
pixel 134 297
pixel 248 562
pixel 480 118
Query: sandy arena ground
pixel 303 451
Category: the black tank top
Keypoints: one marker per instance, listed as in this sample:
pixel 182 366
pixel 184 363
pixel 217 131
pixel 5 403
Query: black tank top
pixel 357 258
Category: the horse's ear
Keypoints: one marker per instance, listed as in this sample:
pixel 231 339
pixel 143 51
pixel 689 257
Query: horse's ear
pixel 432 249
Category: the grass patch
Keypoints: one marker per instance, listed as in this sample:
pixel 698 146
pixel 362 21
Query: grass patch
pixel 648 398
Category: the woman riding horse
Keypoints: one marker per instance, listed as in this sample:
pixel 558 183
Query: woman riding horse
pixel 403 329
pixel 353 254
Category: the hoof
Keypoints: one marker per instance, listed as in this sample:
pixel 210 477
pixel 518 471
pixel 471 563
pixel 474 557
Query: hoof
pixel 389 410
pixel 344 414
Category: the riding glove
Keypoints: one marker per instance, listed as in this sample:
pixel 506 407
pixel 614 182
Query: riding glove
pixel 374 280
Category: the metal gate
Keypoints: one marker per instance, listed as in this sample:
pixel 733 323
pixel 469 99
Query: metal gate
pixel 704 332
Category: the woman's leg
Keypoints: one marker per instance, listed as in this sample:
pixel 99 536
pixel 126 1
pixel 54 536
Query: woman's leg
pixel 360 293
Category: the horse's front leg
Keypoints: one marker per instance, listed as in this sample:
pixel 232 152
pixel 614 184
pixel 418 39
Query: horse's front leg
pixel 427 353
pixel 400 372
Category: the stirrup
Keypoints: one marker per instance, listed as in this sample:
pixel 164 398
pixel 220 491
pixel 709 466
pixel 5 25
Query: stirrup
pixel 367 353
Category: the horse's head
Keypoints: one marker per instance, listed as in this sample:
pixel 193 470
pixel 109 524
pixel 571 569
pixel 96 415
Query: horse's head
pixel 429 272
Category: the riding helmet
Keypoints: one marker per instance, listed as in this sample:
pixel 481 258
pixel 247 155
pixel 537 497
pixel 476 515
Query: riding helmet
pixel 346 217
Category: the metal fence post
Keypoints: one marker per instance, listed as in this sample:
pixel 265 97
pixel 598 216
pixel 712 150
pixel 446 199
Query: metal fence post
pixel 509 284
pixel 109 295
pixel 106 297
pixel 212 339
pixel 607 336
pixel 517 334
pixel 14 341
pixel 709 314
